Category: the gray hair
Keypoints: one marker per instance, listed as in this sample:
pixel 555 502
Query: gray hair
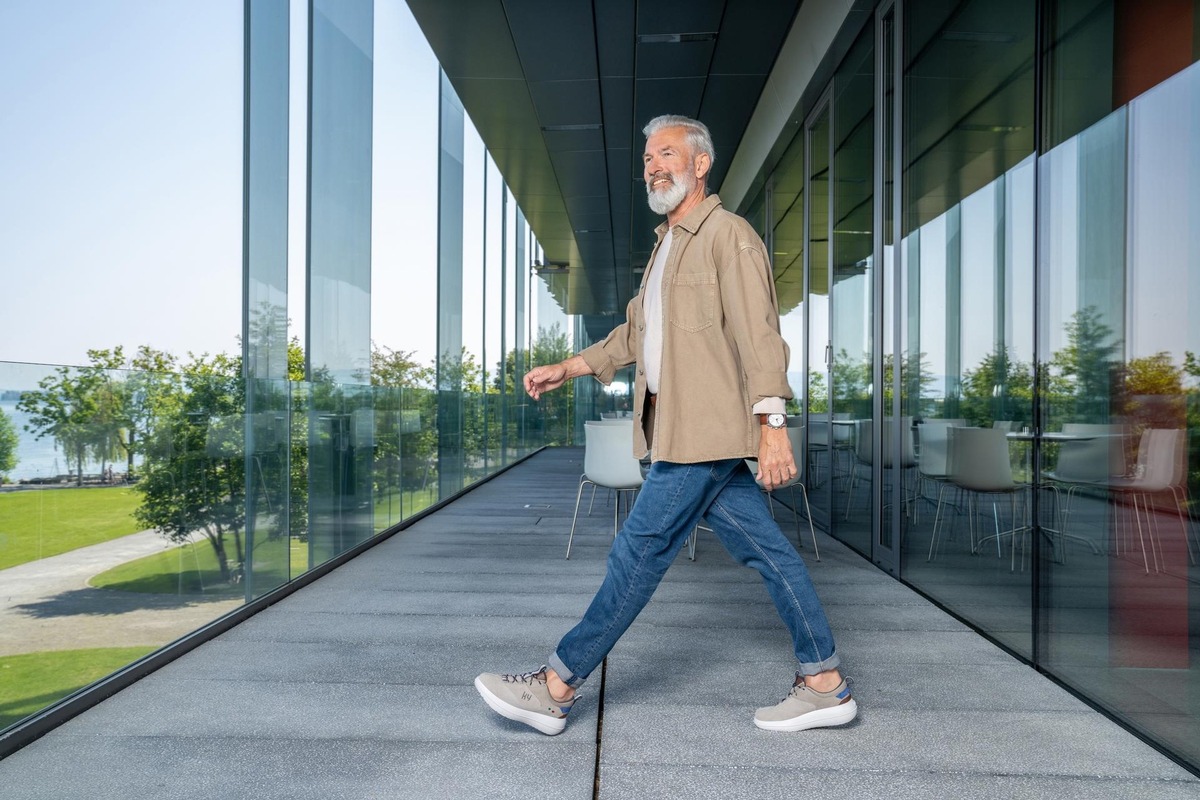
pixel 696 133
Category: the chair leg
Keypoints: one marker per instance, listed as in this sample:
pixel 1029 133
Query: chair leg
pixel 574 519
pixel 770 505
pixel 796 518
pixel 808 514
pixel 937 518
pixel 1137 516
pixel 850 491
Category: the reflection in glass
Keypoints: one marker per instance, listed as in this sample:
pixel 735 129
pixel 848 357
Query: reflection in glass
pixel 450 454
pixel 1118 342
pixel 339 276
pixel 264 314
pixel 824 443
pixel 851 288
pixel 967 302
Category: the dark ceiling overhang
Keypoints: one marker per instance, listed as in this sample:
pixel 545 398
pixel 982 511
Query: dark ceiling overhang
pixel 559 92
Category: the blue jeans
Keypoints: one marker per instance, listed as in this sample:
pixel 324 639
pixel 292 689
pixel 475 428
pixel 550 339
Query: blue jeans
pixel 672 500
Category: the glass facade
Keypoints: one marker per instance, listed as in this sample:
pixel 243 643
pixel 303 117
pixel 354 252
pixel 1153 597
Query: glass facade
pixel 388 310
pixel 1001 201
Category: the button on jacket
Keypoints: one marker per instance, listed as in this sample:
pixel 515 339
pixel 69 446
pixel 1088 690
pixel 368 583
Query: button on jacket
pixel 722 350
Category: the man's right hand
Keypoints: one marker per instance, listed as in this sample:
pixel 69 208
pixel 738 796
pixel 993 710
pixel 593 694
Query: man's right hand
pixel 544 379
pixel 552 376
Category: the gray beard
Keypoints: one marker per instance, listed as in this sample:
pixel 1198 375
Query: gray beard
pixel 667 200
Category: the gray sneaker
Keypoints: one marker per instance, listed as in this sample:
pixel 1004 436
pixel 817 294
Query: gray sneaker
pixel 525 698
pixel 805 708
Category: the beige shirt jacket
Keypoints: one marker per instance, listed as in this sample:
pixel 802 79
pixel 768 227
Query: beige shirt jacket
pixel 722 350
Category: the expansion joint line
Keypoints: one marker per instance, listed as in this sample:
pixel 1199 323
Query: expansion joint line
pixel 599 728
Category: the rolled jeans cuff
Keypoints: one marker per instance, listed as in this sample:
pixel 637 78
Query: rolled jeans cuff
pixel 564 672
pixel 820 666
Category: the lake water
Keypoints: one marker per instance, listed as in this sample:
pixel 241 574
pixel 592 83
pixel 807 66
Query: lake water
pixel 39 458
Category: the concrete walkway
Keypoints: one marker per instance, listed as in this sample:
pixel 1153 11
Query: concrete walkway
pixel 359 686
pixel 47 604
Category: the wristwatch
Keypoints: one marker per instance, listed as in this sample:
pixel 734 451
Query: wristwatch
pixel 773 420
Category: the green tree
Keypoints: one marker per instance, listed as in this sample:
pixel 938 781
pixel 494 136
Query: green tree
pixel 406 410
pixel 65 406
pixel 998 388
pixel 154 379
pixel 111 432
pixel 1153 393
pixel 8 446
pixel 194 472
pixel 1083 377
pixel 550 347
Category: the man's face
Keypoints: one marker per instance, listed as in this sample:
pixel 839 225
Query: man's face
pixel 670 170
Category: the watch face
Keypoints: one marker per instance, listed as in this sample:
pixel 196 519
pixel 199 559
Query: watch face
pixel 776 420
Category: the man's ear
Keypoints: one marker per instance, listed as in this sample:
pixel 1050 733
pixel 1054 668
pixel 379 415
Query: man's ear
pixel 702 164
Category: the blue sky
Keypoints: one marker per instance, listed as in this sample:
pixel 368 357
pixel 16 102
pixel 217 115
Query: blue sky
pixel 120 144
pixel 121 151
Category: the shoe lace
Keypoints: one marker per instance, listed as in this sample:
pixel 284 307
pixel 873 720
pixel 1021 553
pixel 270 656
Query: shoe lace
pixel 526 677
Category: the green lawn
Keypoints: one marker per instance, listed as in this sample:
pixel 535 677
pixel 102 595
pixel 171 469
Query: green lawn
pixel 44 522
pixel 30 682
pixel 190 569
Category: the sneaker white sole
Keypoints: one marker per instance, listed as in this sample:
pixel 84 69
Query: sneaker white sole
pixel 551 726
pixel 821 718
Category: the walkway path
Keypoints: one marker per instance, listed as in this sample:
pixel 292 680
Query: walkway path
pixel 48 605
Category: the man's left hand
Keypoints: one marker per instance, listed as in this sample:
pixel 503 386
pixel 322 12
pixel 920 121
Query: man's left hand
pixel 776 464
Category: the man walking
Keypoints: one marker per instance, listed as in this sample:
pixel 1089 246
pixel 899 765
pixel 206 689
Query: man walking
pixel 709 392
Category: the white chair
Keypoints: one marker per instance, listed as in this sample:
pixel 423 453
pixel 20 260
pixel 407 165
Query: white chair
pixel 1086 463
pixel 978 462
pixel 864 455
pixel 1161 467
pixel 932 455
pixel 608 461
pixel 796 437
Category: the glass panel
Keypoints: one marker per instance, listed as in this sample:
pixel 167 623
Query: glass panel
pixel 493 357
pixel 265 316
pixel 892 407
pixel 851 290
pixel 474 301
pixel 825 448
pixel 1120 283
pixel 967 286
pixel 787 259
pixel 339 276
pixel 450 455
pixel 404 264
pixel 519 410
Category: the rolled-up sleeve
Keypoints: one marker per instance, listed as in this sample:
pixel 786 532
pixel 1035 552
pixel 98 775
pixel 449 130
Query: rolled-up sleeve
pixel 617 350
